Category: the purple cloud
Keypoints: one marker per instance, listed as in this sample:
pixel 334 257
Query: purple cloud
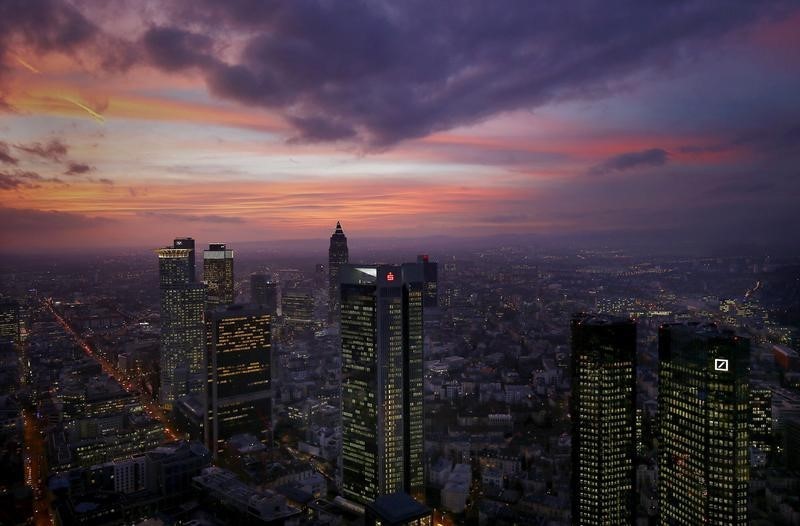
pixel 381 72
pixel 54 150
pixel 626 161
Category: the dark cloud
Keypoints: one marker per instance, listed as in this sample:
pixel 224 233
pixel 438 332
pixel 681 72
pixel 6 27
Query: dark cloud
pixel 78 169
pixel 776 139
pixel 381 72
pixel 194 218
pixel 626 161
pixel 24 179
pixel 174 49
pixel 54 150
pixel 5 155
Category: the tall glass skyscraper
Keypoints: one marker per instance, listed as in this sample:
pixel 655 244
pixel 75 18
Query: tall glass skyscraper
pixel 603 419
pixel 218 274
pixel 338 255
pixel 382 377
pixel 182 327
pixel 239 387
pixel 703 406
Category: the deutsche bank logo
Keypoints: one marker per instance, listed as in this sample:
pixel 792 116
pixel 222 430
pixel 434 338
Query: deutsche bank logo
pixel 720 364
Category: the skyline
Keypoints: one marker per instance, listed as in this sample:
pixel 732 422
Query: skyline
pixel 254 122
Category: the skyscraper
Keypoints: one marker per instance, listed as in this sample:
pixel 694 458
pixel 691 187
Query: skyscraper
pixel 218 274
pixel 382 375
pixel 9 321
pixel 430 294
pixel 239 387
pixel 603 419
pixel 337 256
pixel 264 292
pixel 703 405
pixel 188 244
pixel 297 308
pixel 182 332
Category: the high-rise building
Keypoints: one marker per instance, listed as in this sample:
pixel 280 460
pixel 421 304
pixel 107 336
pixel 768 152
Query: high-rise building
pixel 703 406
pixel 382 376
pixel 430 293
pixel 297 308
pixel 603 419
pixel 239 387
pixel 264 292
pixel 337 256
pixel 9 321
pixel 761 418
pixel 218 274
pixel 188 244
pixel 182 330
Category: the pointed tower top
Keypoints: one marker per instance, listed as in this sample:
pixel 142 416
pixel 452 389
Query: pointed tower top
pixel 339 228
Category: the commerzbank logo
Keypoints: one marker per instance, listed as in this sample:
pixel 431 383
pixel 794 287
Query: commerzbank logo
pixel 721 364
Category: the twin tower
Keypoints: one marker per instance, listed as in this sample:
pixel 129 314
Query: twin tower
pixel 703 409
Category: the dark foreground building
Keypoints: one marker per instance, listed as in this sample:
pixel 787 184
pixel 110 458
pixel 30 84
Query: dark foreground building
pixel 397 509
pixel 603 419
pixel 239 389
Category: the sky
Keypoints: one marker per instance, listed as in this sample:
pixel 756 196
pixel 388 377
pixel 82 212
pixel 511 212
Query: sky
pixel 127 123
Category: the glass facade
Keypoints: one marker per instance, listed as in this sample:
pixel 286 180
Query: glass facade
pixel 603 419
pixel 182 359
pixel 381 332
pixel 703 407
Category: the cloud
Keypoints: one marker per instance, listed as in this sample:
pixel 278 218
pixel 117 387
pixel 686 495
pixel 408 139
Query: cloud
pixel 626 161
pixel 54 150
pixel 193 218
pixel 777 139
pixel 78 169
pixel 5 155
pixel 382 72
pixel 24 179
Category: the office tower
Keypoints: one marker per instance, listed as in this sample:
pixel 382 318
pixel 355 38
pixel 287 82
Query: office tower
pixel 264 292
pixel 430 294
pixel 297 308
pixel 240 399
pixel 761 418
pixel 218 274
pixel 9 321
pixel 182 330
pixel 397 509
pixel 703 405
pixel 188 244
pixel 603 419
pixel 382 374
pixel 337 256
